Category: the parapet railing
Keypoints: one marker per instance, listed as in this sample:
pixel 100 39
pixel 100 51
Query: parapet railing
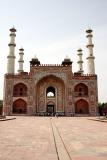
pixel 84 75
pixel 40 65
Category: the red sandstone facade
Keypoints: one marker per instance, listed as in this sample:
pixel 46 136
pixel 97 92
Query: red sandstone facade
pixel 50 89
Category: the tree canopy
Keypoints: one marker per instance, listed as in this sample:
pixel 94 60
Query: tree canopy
pixel 102 105
pixel 1 103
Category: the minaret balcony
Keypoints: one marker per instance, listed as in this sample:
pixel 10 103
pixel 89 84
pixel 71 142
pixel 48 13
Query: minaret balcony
pixel 12 44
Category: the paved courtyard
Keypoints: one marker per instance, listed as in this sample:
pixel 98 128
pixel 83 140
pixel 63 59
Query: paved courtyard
pixel 45 138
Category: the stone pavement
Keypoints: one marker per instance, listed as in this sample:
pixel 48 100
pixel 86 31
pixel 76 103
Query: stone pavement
pixel 45 138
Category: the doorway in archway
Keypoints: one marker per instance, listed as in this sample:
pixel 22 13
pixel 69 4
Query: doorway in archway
pixel 50 109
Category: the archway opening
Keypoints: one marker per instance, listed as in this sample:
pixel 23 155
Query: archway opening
pixel 50 92
pixel 50 89
pixel 19 107
pixel 50 109
pixel 81 107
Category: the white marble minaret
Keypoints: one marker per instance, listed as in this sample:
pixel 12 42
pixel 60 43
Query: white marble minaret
pixel 90 58
pixel 21 61
pixel 11 56
pixel 80 61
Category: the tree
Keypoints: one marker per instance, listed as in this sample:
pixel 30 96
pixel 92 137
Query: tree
pixel 102 108
pixel 1 103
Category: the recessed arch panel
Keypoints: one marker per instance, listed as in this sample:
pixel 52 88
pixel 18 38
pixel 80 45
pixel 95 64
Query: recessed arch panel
pixel 20 90
pixel 19 106
pixel 81 107
pixel 50 88
pixel 81 89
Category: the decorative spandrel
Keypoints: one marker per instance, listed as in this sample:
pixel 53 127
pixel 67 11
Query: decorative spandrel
pixel 41 75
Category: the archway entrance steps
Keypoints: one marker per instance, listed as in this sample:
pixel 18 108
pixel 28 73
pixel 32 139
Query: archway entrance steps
pixel 61 149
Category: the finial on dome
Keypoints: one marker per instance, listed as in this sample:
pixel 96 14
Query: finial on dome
pixel 67 57
pixel 35 61
pixel 21 49
pixel 35 56
pixel 89 30
pixel 67 61
pixel 13 29
pixel 79 50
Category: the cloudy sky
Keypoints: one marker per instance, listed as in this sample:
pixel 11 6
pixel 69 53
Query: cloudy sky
pixel 52 29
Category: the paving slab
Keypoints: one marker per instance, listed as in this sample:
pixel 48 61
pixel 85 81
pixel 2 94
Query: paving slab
pixel 32 138
pixel 27 138
pixel 83 138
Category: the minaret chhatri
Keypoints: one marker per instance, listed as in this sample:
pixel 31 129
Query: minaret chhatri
pixel 11 56
pixel 21 61
pixel 90 58
pixel 80 61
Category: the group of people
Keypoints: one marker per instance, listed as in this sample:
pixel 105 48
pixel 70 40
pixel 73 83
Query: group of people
pixel 53 114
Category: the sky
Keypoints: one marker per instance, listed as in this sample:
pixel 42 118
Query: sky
pixel 52 29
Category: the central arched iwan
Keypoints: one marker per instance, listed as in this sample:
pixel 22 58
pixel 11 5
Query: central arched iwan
pixel 50 88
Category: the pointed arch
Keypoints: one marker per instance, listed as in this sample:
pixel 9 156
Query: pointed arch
pixel 20 90
pixel 20 106
pixel 50 92
pixel 52 88
pixel 81 107
pixel 81 90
